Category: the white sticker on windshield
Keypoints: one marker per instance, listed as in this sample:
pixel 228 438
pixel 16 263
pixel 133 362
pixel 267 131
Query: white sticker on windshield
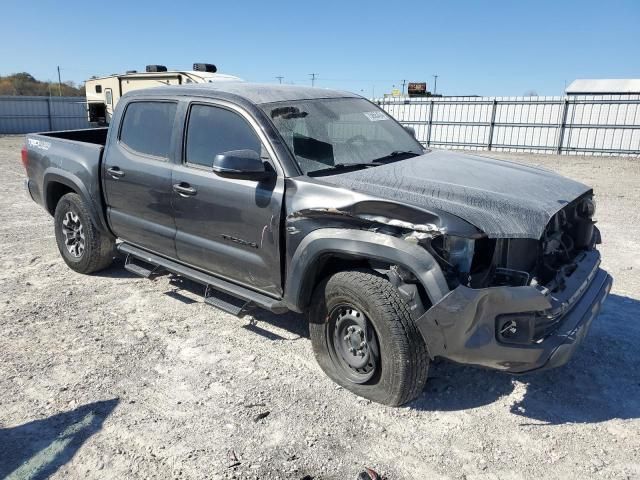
pixel 375 116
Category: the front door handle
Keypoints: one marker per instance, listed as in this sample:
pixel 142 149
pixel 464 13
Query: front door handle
pixel 184 189
pixel 115 172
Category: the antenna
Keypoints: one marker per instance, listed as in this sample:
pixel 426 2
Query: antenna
pixel 404 82
pixel 313 79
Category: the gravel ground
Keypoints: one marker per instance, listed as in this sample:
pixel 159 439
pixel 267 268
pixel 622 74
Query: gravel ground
pixel 112 376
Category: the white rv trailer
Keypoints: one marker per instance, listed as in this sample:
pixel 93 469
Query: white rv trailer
pixel 103 93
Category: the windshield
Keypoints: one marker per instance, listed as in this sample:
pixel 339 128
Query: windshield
pixel 326 134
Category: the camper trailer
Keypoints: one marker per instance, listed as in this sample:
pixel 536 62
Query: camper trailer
pixel 103 93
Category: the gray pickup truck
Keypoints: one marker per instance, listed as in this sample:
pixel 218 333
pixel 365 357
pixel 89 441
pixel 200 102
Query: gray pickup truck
pixel 317 201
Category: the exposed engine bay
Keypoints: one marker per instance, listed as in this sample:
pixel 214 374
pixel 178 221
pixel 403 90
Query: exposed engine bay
pixel 486 262
pixel 479 263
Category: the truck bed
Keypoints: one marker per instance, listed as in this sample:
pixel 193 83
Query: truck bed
pixel 58 162
pixel 96 136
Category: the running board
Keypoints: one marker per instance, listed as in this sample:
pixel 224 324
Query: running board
pixel 228 303
pixel 145 271
pixel 219 293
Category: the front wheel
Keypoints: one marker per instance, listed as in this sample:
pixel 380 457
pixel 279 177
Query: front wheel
pixel 83 247
pixel 364 338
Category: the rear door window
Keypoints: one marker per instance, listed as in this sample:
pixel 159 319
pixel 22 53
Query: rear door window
pixel 147 127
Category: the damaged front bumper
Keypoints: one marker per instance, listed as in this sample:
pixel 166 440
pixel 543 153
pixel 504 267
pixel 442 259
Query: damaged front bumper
pixel 466 326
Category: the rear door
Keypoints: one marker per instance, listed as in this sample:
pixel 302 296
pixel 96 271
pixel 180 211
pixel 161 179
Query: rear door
pixel 137 176
pixel 228 227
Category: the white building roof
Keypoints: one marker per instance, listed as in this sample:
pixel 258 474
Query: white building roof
pixel 604 86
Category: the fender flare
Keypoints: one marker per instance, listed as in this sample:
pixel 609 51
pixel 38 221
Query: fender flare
pixel 360 244
pixel 56 175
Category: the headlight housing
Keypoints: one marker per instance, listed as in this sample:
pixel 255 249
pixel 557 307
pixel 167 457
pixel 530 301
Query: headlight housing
pixel 587 208
pixel 460 251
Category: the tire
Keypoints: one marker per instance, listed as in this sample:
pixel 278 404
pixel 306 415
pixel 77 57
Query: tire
pixel 83 247
pixel 392 343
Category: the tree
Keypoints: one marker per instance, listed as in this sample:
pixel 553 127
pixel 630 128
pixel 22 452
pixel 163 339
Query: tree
pixel 24 83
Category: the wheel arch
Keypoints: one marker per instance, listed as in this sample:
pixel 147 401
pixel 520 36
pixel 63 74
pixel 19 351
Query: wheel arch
pixel 58 183
pixel 325 251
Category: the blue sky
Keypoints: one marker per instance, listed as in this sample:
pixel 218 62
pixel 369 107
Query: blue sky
pixel 476 47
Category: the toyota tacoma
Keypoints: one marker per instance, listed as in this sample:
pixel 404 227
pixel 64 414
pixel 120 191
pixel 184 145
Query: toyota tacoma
pixel 317 201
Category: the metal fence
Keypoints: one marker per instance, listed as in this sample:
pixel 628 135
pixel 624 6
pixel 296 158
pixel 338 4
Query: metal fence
pixel 41 114
pixel 594 125
pixel 591 125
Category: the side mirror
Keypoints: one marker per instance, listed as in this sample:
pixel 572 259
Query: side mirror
pixel 411 130
pixel 240 164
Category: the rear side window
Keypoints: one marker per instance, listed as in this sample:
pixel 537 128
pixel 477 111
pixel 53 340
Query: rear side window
pixel 214 130
pixel 147 127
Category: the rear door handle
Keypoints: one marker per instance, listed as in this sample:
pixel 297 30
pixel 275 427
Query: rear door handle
pixel 184 189
pixel 115 172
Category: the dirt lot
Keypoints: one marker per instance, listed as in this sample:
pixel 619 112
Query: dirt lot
pixel 112 376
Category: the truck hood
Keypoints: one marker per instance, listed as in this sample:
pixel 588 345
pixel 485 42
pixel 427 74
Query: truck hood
pixel 503 199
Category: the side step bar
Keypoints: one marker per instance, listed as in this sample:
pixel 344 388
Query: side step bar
pixel 230 304
pixel 220 293
pixel 146 271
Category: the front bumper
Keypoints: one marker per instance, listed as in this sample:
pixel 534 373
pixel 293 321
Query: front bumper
pixel 462 326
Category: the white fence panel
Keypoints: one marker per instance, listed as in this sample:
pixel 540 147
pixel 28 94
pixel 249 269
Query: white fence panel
pixel 596 125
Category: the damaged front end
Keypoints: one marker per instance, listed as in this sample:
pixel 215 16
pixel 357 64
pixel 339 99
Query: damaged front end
pixel 519 304
pixel 512 304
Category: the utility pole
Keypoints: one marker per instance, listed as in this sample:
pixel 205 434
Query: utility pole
pixel 280 77
pixel 59 83
pixel 313 79
pixel 435 84
pixel 404 82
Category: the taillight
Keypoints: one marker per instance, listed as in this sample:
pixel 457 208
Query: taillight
pixel 25 156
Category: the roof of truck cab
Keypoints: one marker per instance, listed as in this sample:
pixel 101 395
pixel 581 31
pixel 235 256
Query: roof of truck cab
pixel 257 93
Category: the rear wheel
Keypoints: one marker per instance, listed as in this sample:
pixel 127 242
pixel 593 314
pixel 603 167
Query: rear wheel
pixel 83 247
pixel 364 338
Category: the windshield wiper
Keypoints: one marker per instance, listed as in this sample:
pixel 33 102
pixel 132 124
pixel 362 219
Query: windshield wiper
pixel 395 155
pixel 343 166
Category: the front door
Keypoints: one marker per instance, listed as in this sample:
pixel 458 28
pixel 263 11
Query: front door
pixel 137 176
pixel 227 227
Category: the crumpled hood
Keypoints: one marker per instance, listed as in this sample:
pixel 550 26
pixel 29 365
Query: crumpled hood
pixel 504 199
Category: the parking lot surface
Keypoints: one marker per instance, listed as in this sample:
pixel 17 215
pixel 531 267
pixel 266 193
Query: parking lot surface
pixel 112 376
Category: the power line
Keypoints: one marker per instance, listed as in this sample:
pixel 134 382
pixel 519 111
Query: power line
pixel 313 79
pixel 280 78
